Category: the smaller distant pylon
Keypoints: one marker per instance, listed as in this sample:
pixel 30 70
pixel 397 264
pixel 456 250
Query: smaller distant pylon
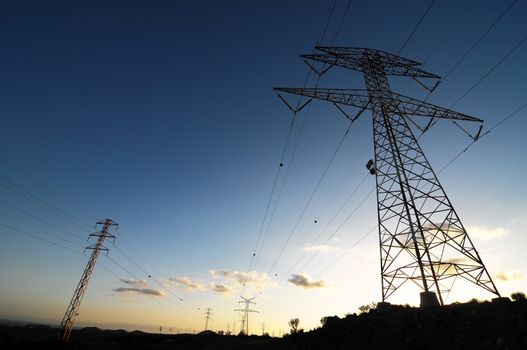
pixel 245 313
pixel 73 309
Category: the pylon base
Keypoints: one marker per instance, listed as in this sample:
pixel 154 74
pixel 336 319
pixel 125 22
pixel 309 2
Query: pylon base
pixel 501 300
pixel 428 299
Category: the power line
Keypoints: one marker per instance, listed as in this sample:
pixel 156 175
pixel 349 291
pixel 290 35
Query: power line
pixel 344 204
pixel 416 26
pixel 339 146
pixel 490 71
pixel 282 185
pixel 39 219
pixel 339 27
pixel 482 135
pixel 123 268
pixel 131 260
pixel 38 237
pixel 42 230
pixel 339 227
pixel 17 230
pixel 314 254
pixel 285 147
pixel 47 185
pixel 147 274
pixel 37 199
pixel 462 13
pixel 479 40
pixel 330 15
pixel 356 243
pixel 141 254
pixel 328 224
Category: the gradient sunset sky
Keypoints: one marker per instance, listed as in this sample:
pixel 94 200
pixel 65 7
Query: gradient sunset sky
pixel 161 115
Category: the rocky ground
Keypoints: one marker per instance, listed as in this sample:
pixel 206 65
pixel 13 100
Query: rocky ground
pixel 477 326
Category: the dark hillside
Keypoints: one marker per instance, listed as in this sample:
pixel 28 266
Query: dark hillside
pixel 460 326
pixel 477 326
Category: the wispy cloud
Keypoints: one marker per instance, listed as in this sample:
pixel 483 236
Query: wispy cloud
pixel 302 280
pixel 319 248
pixel 220 288
pixel 135 283
pixel 138 287
pixel 188 284
pixel 485 232
pixel 145 291
pixel 509 276
pixel 241 278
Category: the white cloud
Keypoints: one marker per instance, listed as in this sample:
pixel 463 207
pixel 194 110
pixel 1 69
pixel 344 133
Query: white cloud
pixel 241 278
pixel 319 248
pixel 135 283
pixel 146 291
pixel 302 280
pixel 188 284
pixel 220 288
pixel 509 276
pixel 485 232
pixel 138 287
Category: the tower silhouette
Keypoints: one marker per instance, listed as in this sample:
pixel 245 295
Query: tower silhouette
pixel 73 308
pixel 421 237
pixel 245 313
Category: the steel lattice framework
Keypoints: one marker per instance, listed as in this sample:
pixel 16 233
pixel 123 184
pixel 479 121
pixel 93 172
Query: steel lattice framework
pixel 245 313
pixel 421 237
pixel 73 308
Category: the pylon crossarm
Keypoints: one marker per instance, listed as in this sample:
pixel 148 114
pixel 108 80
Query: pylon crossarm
pixel 319 72
pixel 347 115
pixel 298 108
pixel 357 63
pixel 369 53
pixel 351 97
pixel 400 104
pixel 411 106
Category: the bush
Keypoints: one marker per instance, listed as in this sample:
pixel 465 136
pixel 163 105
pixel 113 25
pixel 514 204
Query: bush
pixel 293 323
pixel 518 296
pixel 364 309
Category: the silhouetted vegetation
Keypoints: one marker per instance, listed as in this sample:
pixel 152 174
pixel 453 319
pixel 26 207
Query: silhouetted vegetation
pixel 478 325
pixel 475 325
pixel 518 296
pixel 293 323
pixel 364 309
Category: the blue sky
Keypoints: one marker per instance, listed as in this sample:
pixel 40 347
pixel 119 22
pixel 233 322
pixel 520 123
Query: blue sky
pixel 162 117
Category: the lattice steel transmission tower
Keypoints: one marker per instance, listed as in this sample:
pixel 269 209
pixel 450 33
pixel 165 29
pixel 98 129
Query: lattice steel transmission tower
pixel 208 314
pixel 71 313
pixel 245 316
pixel 421 237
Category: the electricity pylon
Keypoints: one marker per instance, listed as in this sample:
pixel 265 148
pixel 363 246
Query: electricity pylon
pixel 245 316
pixel 208 314
pixel 71 313
pixel 421 237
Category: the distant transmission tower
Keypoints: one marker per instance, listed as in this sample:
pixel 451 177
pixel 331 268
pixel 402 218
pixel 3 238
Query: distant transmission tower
pixel 71 313
pixel 421 237
pixel 208 314
pixel 245 313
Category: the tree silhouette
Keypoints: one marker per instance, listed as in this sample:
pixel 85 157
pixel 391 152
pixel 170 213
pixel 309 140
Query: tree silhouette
pixel 518 296
pixel 364 309
pixel 293 323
